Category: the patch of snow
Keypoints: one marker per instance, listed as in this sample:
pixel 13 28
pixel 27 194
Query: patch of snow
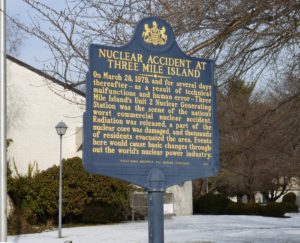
pixel 182 229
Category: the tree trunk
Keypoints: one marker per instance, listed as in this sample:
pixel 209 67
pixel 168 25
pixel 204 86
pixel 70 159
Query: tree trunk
pixel 239 198
pixel 251 198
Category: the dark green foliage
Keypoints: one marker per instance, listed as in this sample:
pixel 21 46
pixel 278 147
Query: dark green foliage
pixel 211 204
pixel 270 210
pixel 289 198
pixel 290 207
pixel 103 214
pixel 273 210
pixel 289 202
pixel 243 209
pixel 20 190
pixel 17 224
pixel 220 204
pixel 236 209
pixel 84 196
pixel 253 208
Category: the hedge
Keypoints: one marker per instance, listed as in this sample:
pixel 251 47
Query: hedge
pixel 87 198
pixel 289 198
pixel 211 204
pixel 219 204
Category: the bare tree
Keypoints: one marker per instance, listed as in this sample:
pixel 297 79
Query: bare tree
pixel 258 155
pixel 15 38
pixel 244 37
pixel 252 40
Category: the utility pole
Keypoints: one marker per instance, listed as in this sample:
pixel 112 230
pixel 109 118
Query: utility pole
pixel 3 161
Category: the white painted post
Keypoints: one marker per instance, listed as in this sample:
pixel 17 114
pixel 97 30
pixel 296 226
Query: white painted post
pixel 3 161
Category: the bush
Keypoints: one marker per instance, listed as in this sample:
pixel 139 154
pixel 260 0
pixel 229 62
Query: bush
pixel 290 207
pixel 103 214
pixel 211 204
pixel 243 209
pixel 236 209
pixel 253 209
pixel 289 198
pixel 220 204
pixel 17 224
pixel 270 210
pixel 273 210
pixel 36 197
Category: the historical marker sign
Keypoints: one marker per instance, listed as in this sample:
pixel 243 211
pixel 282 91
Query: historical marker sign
pixel 150 106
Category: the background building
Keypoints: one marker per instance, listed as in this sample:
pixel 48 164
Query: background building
pixel 36 103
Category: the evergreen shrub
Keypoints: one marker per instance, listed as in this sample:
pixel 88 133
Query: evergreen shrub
pixel 253 209
pixel 86 197
pixel 290 207
pixel 211 204
pixel 273 210
pixel 220 204
pixel 243 209
pixel 289 198
pixel 236 209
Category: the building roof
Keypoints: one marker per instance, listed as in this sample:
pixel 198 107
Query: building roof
pixel 45 75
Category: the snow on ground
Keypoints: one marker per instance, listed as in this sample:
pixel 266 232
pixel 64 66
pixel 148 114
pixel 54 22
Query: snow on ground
pixel 183 229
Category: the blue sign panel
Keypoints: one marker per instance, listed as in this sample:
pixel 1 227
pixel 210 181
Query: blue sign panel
pixel 150 106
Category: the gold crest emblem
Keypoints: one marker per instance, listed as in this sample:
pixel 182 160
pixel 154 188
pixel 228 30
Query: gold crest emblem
pixel 154 35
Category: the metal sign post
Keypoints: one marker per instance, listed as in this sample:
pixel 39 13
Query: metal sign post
pixel 156 206
pixel 3 175
pixel 156 216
